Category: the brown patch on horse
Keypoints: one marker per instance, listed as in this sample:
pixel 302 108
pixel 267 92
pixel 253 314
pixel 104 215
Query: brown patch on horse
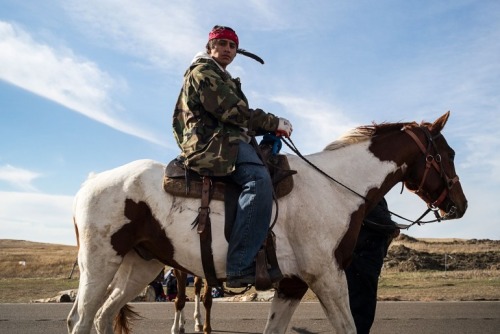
pixel 292 288
pixel 343 253
pixel 207 300
pixel 180 299
pixel 143 233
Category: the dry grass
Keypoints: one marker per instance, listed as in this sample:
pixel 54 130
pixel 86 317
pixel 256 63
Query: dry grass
pixel 440 285
pixel 47 267
pixel 25 290
pixel 450 246
pixel 25 259
pixel 31 270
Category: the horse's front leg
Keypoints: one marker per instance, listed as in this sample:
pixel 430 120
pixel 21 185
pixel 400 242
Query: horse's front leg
pixel 207 303
pixel 331 289
pixel 286 299
pixel 198 323
pixel 180 302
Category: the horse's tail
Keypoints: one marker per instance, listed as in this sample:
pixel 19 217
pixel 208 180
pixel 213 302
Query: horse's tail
pixel 124 320
pixel 76 234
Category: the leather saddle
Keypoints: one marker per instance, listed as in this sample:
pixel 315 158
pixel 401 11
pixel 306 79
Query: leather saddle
pixel 183 182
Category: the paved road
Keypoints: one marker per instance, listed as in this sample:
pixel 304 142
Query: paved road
pixel 250 318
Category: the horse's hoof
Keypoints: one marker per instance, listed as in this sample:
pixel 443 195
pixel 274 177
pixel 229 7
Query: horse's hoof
pixel 198 328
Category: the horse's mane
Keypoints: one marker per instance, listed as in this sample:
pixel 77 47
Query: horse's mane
pixel 363 133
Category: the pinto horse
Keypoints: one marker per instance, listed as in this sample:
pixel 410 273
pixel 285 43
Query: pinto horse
pixel 127 227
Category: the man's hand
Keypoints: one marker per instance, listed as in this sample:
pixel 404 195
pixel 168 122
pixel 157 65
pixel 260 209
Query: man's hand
pixel 284 128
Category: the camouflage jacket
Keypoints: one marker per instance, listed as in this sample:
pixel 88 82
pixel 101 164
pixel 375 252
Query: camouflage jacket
pixel 211 117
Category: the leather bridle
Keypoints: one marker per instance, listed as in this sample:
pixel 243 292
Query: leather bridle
pixel 432 161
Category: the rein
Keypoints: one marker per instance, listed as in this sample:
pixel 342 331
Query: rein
pixel 292 146
pixel 430 161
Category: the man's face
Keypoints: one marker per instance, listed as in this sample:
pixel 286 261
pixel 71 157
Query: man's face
pixel 223 52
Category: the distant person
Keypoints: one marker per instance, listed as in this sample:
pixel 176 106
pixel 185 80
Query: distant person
pixel 171 285
pixel 167 274
pixel 158 288
pixel 189 280
pixel 375 236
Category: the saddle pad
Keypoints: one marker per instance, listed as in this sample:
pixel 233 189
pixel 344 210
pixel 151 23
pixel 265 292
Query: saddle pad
pixel 177 185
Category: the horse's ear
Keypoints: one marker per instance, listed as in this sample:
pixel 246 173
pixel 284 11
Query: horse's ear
pixel 439 124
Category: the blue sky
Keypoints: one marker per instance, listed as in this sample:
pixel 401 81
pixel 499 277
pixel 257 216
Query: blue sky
pixel 86 86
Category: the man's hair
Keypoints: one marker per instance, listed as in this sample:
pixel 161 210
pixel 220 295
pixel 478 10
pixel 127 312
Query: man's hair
pixel 210 45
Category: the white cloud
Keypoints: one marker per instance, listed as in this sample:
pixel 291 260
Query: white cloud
pixel 165 33
pixel 168 33
pixel 18 178
pixel 483 158
pixel 319 122
pixel 36 217
pixel 270 14
pixel 63 77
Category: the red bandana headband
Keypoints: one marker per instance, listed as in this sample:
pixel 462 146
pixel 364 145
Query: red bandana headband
pixel 219 32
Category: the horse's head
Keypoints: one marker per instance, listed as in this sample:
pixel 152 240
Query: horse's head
pixel 432 177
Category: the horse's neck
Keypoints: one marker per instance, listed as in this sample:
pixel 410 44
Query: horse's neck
pixel 367 168
pixel 354 166
pixel 401 151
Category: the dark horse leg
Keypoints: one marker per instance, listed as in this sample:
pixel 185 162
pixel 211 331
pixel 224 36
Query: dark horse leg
pixel 206 298
pixel 180 302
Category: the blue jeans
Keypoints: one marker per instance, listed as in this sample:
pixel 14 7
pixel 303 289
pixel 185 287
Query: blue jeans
pixel 254 212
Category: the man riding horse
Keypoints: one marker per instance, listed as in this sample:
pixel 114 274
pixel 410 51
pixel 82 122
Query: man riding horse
pixel 211 122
